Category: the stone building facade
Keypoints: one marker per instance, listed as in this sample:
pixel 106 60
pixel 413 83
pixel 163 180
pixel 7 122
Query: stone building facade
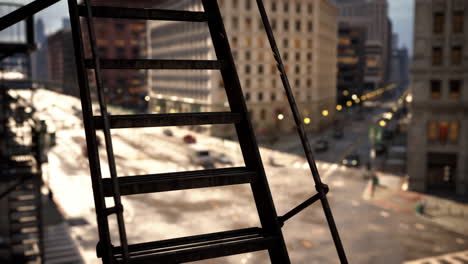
pixel 306 32
pixel 438 135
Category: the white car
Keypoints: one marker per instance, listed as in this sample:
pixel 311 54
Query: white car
pixel 200 155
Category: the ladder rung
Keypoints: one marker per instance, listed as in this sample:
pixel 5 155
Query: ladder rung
pixel 179 181
pixel 149 64
pixel 143 13
pixel 162 120
pixel 199 247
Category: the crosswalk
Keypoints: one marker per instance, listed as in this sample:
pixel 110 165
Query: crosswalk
pixel 59 247
pixel 452 258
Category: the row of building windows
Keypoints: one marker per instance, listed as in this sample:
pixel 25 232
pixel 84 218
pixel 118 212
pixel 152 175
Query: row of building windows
pixel 443 131
pixel 456 55
pixel 273 69
pixel 297 83
pixel 457 22
pixel 248 24
pixel 261 56
pixel 296 43
pixel 454 92
pixel 275 7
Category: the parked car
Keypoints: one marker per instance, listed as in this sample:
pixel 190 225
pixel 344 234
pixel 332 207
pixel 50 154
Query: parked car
pixel 352 160
pixel 321 145
pixel 189 139
pixel 168 132
pixel 201 156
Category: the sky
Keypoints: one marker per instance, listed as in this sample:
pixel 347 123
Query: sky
pixel 400 12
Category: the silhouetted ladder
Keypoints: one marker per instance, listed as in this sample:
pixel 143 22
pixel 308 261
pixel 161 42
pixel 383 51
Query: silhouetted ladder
pixel 186 249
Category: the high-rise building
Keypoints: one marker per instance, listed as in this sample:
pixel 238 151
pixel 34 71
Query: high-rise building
pixel 39 57
pixel 404 67
pixel 372 15
pixel 306 32
pixel 438 134
pixel 61 63
pixel 351 62
pixel 121 39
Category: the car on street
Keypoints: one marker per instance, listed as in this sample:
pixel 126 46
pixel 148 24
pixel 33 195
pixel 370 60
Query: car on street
pixel 321 145
pixel 352 160
pixel 189 139
pixel 168 132
pixel 200 155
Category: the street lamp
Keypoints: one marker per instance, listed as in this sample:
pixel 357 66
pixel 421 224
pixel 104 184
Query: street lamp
pixel 349 104
pixel 325 113
pixel 307 121
pixel 382 123
pixel 339 107
pixel 280 117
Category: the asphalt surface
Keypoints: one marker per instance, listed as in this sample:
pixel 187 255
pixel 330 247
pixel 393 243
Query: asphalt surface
pixel 370 234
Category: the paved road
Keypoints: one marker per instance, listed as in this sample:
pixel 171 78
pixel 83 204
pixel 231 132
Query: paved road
pixel 370 234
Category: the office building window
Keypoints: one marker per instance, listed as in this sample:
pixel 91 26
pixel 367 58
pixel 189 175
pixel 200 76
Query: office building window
pixel 454 131
pixel 260 69
pixel 247 55
pixel 247 83
pixel 298 8
pixel 263 114
pixel 456 55
pixel 248 23
pixel 247 97
pixel 439 19
pixel 298 69
pixel 286 7
pixel 433 131
pixel 286 25
pixel 298 56
pixel 436 56
pixel 310 8
pixel 273 6
pixel 260 96
pixel 436 89
pixel 297 43
pixel 310 26
pixel 248 4
pixel 443 131
pixel 298 25
pixel 235 3
pixel 455 87
pixel 273 97
pixel 247 69
pixel 273 24
pixel 458 21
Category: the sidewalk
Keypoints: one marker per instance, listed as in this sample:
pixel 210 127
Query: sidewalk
pixel 389 194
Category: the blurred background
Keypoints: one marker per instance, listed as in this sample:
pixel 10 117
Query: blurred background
pixel 381 86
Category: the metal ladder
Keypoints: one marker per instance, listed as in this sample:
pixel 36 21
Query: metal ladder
pixel 193 248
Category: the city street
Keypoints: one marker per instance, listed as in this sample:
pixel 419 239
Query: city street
pixel 370 234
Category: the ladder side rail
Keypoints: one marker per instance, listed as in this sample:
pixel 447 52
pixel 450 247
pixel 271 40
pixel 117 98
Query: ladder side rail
pixel 320 187
pixel 250 151
pixel 107 133
pixel 24 12
pixel 92 150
